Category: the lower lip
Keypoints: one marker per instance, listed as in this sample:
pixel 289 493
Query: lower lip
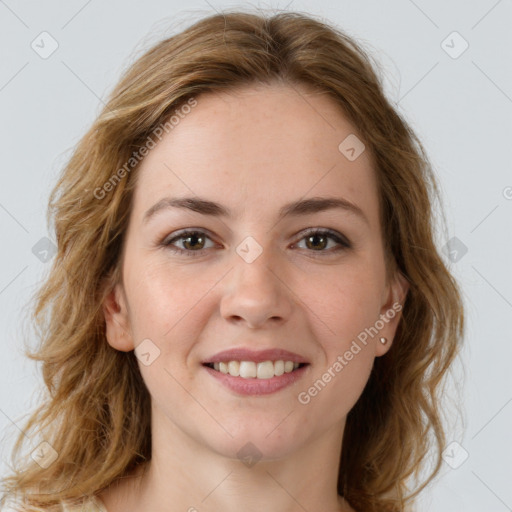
pixel 257 386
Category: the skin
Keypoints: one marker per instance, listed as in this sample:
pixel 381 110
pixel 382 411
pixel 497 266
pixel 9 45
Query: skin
pixel 252 150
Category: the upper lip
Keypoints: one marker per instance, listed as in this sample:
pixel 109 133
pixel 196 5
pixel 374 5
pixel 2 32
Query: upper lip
pixel 258 356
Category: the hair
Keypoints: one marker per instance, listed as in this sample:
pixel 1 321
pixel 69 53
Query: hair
pixel 96 414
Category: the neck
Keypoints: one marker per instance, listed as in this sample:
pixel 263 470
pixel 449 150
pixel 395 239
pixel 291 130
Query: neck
pixel 184 475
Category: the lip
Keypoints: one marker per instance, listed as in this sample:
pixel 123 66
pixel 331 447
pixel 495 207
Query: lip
pixel 257 356
pixel 257 386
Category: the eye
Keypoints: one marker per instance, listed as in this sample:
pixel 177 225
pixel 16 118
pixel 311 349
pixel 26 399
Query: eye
pixel 318 241
pixel 193 242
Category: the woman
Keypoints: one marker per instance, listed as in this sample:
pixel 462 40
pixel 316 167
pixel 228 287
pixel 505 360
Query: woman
pixel 247 309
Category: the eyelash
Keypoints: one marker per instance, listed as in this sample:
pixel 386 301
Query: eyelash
pixel 343 243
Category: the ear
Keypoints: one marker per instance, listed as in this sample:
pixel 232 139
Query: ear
pixel 117 321
pixel 391 311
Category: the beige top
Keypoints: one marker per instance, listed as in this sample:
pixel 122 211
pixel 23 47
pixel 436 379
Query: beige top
pixel 92 505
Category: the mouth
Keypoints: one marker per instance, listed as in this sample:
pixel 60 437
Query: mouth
pixel 246 371
pixel 252 378
pixel 262 370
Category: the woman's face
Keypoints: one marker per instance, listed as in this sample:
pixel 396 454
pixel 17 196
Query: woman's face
pixel 255 278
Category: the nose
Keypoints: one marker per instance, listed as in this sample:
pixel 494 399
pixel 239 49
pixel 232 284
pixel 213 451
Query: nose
pixel 256 293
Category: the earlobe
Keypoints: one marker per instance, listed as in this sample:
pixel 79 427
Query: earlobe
pixel 117 327
pixel 391 313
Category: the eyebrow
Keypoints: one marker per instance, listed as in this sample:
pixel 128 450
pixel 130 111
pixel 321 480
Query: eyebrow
pixel 295 208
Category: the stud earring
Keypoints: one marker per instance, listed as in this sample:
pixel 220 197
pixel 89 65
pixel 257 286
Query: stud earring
pixel 383 340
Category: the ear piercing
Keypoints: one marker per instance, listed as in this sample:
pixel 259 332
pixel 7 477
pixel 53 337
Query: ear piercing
pixel 383 340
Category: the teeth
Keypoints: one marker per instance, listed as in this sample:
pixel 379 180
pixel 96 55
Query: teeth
pixel 252 370
pixel 265 370
pixel 234 368
pixel 247 369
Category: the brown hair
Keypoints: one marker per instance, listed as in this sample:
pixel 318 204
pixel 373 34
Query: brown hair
pixel 96 413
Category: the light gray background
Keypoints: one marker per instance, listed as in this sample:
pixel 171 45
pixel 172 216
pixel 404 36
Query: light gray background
pixel 461 108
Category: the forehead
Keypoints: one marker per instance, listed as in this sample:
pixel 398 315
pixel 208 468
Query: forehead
pixel 259 146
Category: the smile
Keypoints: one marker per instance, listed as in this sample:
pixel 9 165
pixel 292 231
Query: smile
pixel 251 378
pixel 255 370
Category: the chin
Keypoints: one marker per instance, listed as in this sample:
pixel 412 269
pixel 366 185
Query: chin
pixel 258 442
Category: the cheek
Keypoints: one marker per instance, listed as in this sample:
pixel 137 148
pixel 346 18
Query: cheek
pixel 348 302
pixel 335 385
pixel 344 308
pixel 165 301
pixel 344 382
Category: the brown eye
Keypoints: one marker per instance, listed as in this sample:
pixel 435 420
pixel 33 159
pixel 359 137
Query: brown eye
pixel 192 242
pixel 318 241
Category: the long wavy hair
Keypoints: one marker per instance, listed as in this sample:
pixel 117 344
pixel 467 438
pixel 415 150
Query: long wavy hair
pixel 96 411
